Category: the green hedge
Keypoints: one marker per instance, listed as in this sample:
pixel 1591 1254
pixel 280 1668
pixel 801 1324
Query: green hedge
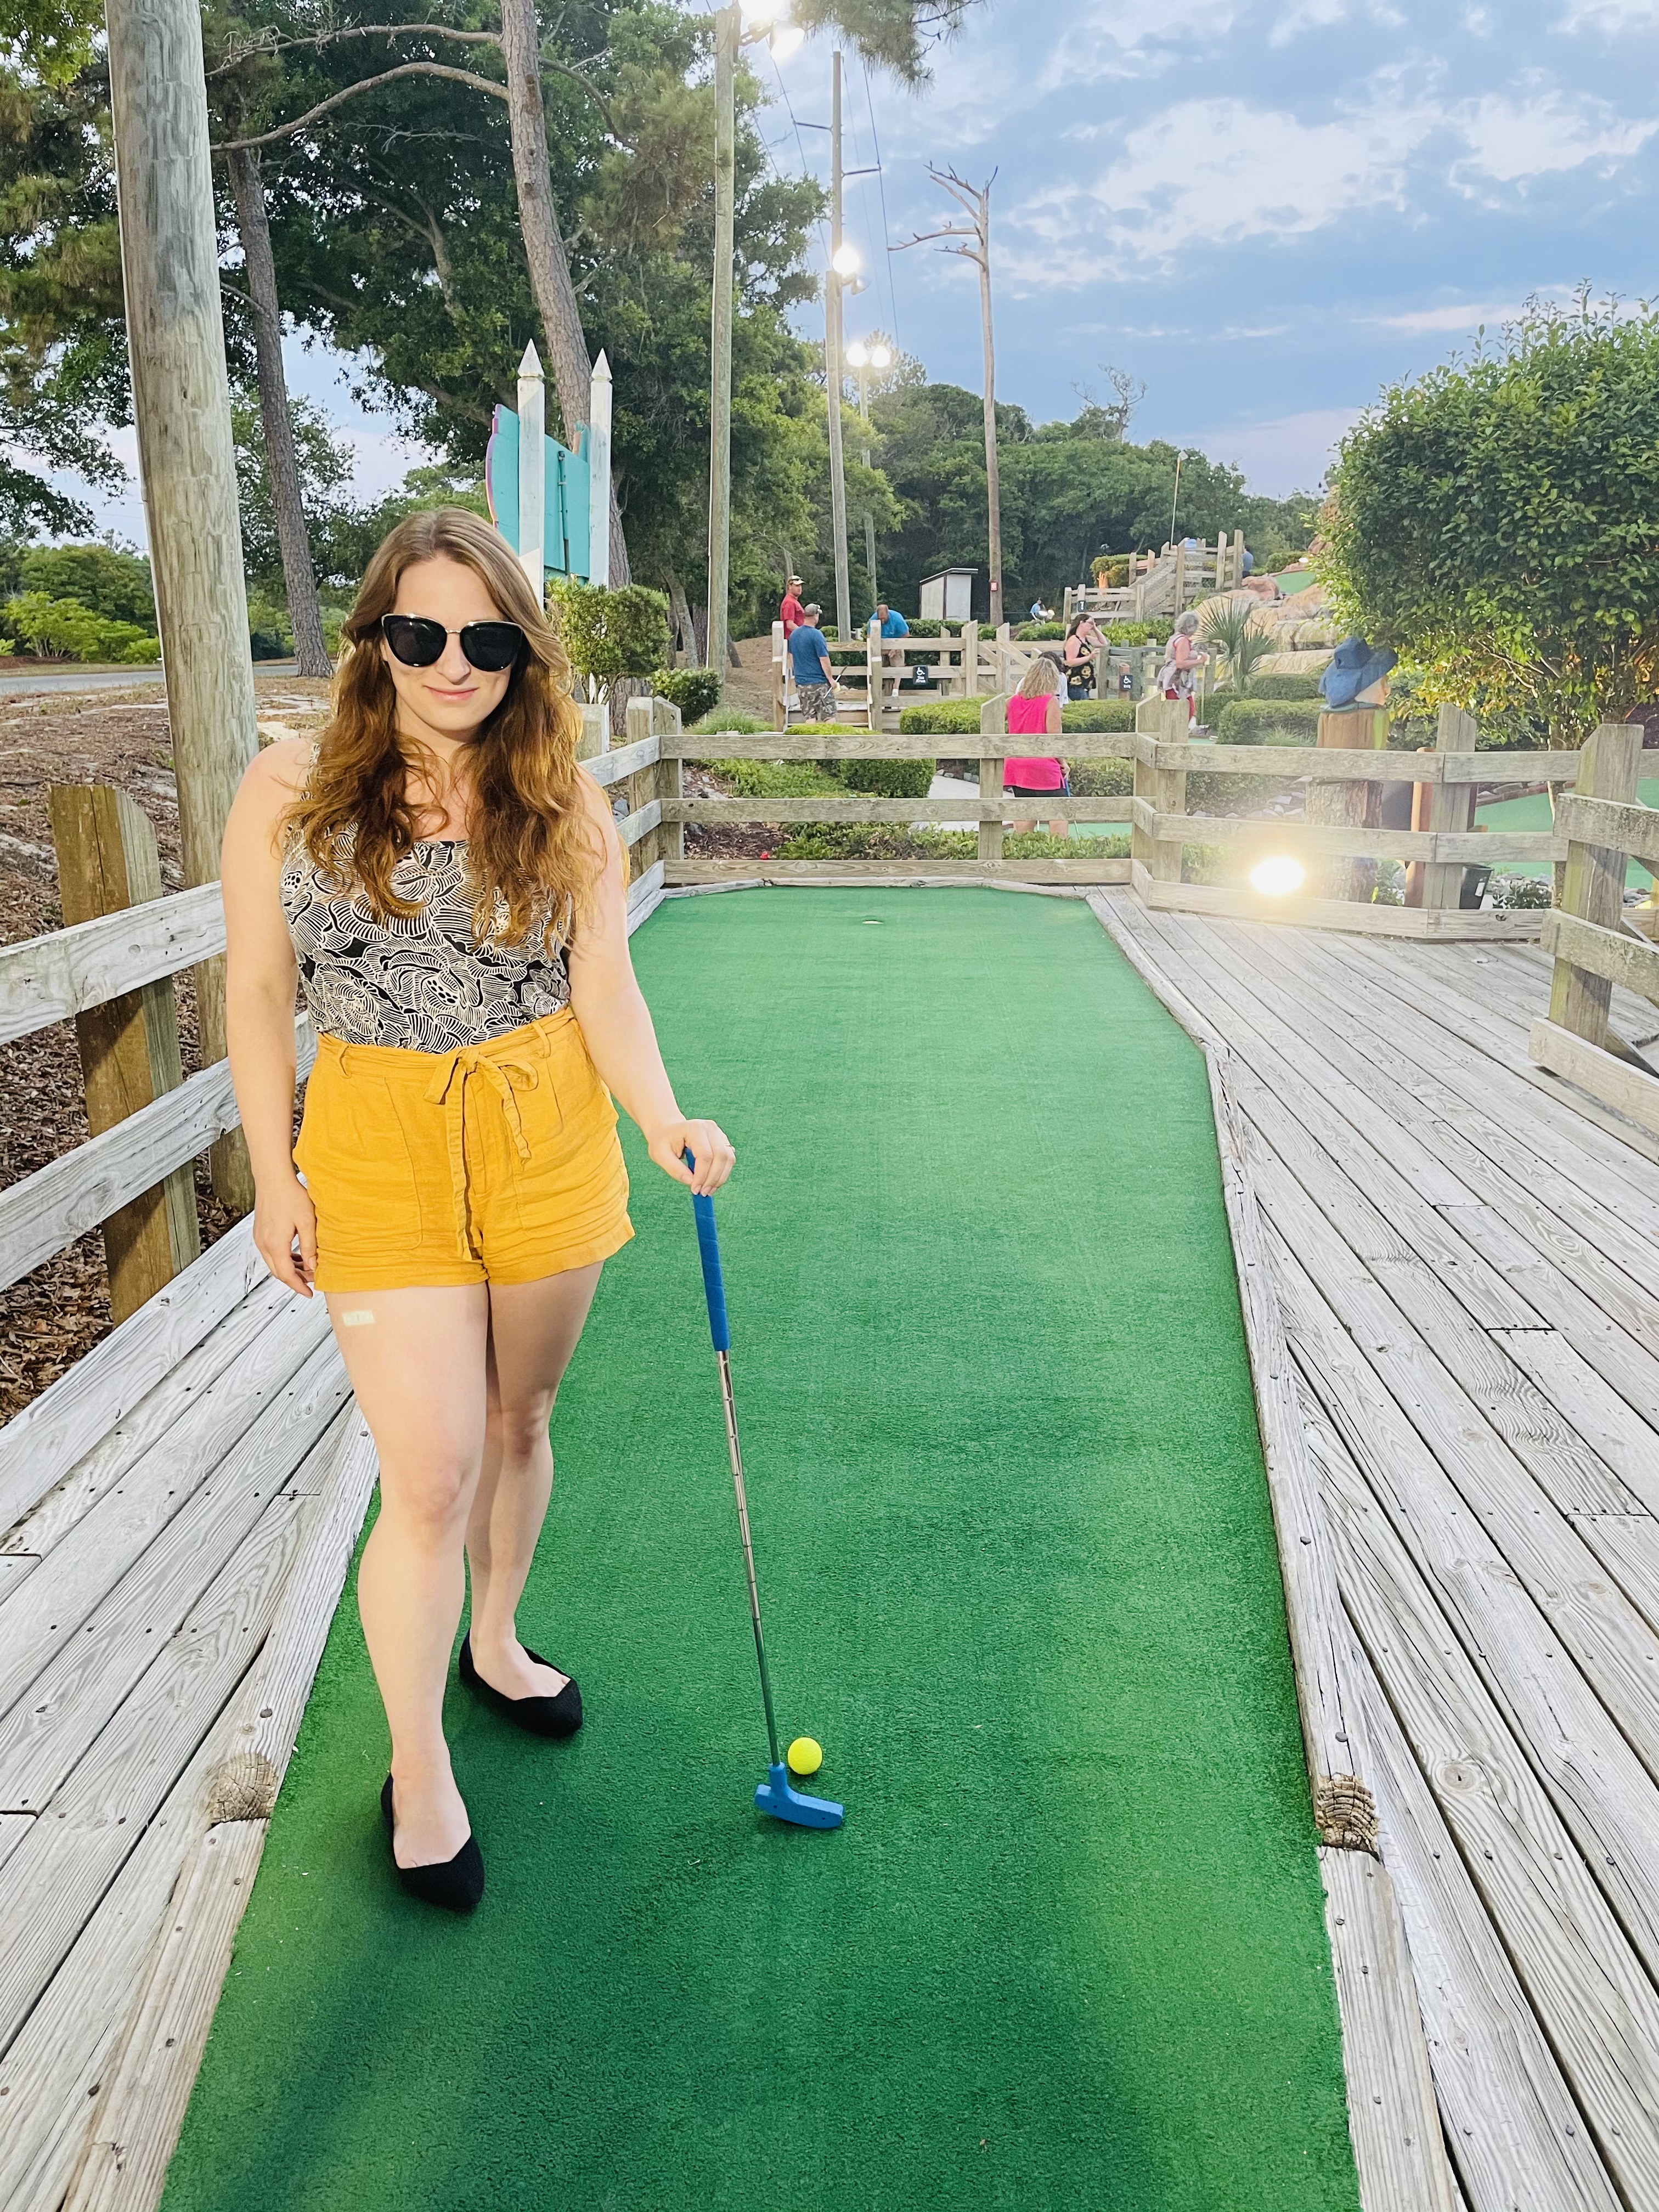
pixel 1101 779
pixel 695 691
pixel 755 779
pixel 1263 722
pixel 1285 687
pixel 887 779
pixel 959 718
pixel 857 841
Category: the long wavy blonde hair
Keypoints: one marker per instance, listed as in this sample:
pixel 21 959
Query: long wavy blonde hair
pixel 531 846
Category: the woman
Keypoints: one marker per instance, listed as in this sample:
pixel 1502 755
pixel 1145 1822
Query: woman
pixel 1183 658
pixel 447 883
pixel 1033 710
pixel 1082 642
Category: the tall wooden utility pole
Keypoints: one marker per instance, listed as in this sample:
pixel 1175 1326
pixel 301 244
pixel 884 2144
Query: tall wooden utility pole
pixel 973 243
pixel 181 403
pixel 832 363
pixel 727 32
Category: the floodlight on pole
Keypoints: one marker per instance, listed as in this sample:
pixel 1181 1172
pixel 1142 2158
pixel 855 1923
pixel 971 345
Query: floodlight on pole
pixel 762 15
pixel 857 355
pixel 845 259
pixel 787 38
pixel 881 356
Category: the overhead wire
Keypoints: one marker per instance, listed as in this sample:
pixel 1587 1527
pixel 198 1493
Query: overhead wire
pixel 881 182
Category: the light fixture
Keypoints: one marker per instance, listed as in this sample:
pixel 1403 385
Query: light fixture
pixel 1278 877
pixel 787 38
pixel 845 259
pixel 858 353
pixel 881 356
pixel 759 14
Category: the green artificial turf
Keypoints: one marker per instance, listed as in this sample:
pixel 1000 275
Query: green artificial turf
pixel 1532 811
pixel 1016 1551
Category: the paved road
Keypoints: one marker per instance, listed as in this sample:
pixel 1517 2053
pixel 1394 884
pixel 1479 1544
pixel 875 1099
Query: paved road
pixel 103 679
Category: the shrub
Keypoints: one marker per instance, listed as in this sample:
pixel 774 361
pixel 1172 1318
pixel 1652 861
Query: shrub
pixel 1101 779
pixel 1135 633
pixel 610 633
pixel 730 719
pixel 1285 687
pixel 63 629
pixel 1099 716
pixel 104 580
pixel 1234 628
pixel 1032 633
pixel 887 779
pixel 695 691
pixel 1265 722
pixel 753 779
pixel 857 841
pixel 928 626
pixel 269 645
pixel 1509 892
pixel 944 718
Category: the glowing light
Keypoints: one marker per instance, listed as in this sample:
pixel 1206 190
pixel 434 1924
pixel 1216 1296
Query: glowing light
pixel 845 260
pixel 858 353
pixel 759 14
pixel 787 39
pixel 881 356
pixel 1278 877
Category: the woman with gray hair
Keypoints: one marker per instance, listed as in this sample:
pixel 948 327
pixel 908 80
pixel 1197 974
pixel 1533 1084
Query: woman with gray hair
pixel 1183 657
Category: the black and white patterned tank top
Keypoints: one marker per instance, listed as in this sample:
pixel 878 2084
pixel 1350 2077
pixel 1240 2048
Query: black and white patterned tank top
pixel 421 982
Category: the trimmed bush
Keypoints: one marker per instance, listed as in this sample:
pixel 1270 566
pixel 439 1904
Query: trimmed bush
pixel 928 626
pixel 753 779
pixel 1101 779
pixel 1035 633
pixel 1285 687
pixel 944 718
pixel 1268 722
pixel 1098 716
pixel 882 841
pixel 887 779
pixel 695 691
pixel 732 719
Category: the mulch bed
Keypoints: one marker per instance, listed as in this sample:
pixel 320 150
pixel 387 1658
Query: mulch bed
pixel 50 1318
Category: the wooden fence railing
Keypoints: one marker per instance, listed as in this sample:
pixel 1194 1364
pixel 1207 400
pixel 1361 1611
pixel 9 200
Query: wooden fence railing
pixel 1602 826
pixel 75 972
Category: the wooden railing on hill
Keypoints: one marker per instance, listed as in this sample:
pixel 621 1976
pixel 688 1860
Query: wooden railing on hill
pixel 1180 576
pixel 1602 825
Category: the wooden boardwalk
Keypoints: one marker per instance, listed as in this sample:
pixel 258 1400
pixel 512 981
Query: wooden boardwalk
pixel 1468 1269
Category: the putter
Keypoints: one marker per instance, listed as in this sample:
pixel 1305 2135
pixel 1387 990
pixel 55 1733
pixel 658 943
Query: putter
pixel 774 1795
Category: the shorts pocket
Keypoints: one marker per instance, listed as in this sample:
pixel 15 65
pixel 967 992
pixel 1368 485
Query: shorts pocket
pixel 359 1164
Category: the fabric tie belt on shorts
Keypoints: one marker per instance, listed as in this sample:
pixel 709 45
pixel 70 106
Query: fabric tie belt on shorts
pixel 508 1074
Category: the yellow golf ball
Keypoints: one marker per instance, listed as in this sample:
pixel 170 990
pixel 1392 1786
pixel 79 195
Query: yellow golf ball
pixel 804 1756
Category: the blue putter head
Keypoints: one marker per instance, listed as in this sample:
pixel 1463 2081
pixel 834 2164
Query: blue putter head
pixel 776 1797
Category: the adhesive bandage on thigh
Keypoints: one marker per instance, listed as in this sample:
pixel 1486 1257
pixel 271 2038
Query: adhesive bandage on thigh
pixel 359 1317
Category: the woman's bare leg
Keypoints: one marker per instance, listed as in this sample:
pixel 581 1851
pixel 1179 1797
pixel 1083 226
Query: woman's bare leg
pixel 534 1329
pixel 417 1362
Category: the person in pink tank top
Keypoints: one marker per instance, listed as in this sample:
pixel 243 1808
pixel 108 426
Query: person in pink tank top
pixel 1034 711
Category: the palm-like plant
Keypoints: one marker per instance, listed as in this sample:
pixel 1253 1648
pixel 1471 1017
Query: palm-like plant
pixel 1230 627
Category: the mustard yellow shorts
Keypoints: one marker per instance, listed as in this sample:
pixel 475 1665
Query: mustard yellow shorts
pixel 495 1163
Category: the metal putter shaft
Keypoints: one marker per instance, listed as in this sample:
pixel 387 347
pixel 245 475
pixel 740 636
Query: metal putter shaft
pixel 774 1795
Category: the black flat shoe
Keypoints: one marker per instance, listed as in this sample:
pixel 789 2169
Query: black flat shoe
pixel 555 1717
pixel 456 1884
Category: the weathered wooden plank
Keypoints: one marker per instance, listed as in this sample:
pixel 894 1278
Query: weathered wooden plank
pixel 49 1209
pixel 1618 1435
pixel 69 1860
pixel 611 768
pixel 1614 1081
pixel 1615 1647
pixel 1393 2120
pixel 898 872
pixel 1344 1809
pixel 1598 1786
pixel 1633 828
pixel 1627 1546
pixel 1610 954
pixel 14 1826
pixel 878 745
pixel 1286 833
pixel 50 2076
pixel 51 978
pixel 1587 1986
pixel 41 1443
pixel 1519 2139
pixel 51 1606
pixel 73 1695
pixel 143 2106
pixel 640 823
pixel 833 807
pixel 1417 922
pixel 1115 916
pixel 49 1522
pixel 642 895
pixel 1323 765
pixel 14 1566
pixel 1591 884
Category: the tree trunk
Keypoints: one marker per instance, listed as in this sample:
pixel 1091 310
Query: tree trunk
pixel 680 613
pixel 543 242
pixel 281 461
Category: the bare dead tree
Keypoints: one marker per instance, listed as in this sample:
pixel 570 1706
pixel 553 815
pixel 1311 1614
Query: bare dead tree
pixel 972 241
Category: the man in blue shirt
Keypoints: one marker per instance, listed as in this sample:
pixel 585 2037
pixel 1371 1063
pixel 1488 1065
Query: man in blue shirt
pixel 892 624
pixel 809 664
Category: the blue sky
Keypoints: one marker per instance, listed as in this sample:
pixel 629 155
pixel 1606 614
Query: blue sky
pixel 1265 212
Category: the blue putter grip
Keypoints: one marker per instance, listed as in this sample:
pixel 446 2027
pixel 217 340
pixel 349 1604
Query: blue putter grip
pixel 709 1251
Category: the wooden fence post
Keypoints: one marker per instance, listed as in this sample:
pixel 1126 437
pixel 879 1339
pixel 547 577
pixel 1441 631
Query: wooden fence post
pixel 993 723
pixel 873 674
pixel 667 722
pixel 1593 885
pixel 106 861
pixel 1348 805
pixel 1164 790
pixel 970 660
pixel 1442 806
pixel 596 730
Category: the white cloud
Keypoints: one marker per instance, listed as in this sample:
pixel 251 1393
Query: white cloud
pixel 1609 15
pixel 1209 172
pixel 1320 15
pixel 1457 317
pixel 1290 454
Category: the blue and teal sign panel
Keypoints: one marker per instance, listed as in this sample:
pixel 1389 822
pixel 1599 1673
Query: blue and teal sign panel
pixel 566 528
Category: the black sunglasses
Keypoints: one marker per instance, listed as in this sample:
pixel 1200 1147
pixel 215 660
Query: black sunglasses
pixel 417 641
